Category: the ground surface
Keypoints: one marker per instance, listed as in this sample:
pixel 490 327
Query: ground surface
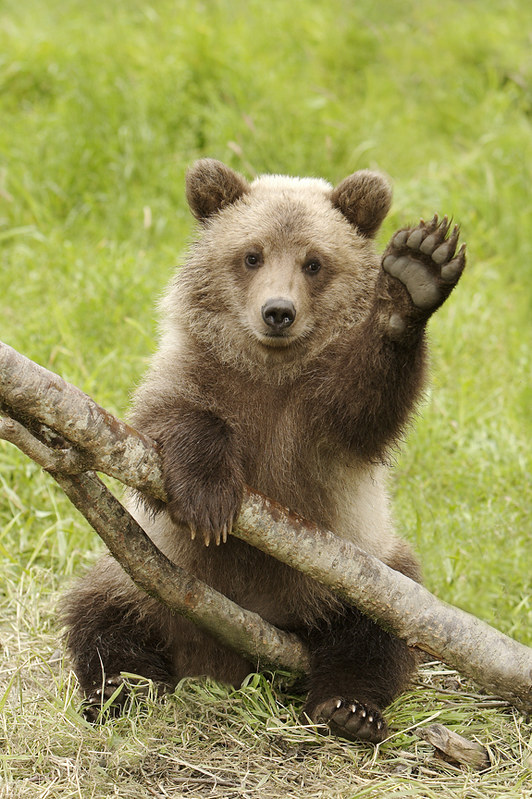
pixel 103 106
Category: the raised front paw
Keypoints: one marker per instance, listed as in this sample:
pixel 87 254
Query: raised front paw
pixel 425 261
pixel 350 719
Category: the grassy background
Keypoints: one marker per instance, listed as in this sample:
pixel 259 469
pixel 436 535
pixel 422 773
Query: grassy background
pixel 102 108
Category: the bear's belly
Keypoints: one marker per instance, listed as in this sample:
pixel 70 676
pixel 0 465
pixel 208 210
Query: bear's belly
pixel 335 490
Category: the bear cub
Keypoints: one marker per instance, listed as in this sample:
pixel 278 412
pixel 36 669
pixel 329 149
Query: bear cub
pixel 291 357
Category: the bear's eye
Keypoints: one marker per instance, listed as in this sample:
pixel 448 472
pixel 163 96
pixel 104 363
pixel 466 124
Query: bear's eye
pixel 312 267
pixel 252 260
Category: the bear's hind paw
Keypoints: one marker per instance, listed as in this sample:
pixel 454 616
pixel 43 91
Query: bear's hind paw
pixel 355 721
pixel 97 702
pixel 110 698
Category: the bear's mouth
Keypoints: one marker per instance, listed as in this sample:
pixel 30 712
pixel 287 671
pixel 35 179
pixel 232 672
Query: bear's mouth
pixel 274 340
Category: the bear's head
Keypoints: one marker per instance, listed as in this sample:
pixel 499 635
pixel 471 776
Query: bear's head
pixel 281 265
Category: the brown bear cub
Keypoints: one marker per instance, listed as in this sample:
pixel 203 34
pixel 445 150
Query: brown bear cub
pixel 290 360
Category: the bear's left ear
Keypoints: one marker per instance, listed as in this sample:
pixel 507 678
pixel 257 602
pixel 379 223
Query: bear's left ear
pixel 211 186
pixel 364 198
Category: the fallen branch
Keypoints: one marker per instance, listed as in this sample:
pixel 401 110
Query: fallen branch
pixel 49 407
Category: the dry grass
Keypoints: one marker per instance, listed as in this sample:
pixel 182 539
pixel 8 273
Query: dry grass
pixel 206 740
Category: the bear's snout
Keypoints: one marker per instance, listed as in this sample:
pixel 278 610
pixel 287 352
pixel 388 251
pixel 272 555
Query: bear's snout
pixel 278 313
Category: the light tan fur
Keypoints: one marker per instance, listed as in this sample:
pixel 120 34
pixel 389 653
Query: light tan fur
pixel 288 219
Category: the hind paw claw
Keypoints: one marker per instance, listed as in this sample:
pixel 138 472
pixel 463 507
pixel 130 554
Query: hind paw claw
pixel 355 721
pixel 96 700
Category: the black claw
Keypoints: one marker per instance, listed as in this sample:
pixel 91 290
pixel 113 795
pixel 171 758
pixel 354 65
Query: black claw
pixel 431 226
pixel 454 236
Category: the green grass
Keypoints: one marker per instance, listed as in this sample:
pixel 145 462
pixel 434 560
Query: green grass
pixel 102 108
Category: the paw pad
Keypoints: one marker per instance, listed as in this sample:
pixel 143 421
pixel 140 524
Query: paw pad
pixel 425 261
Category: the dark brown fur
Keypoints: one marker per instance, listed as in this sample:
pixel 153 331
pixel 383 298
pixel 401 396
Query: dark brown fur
pixel 305 411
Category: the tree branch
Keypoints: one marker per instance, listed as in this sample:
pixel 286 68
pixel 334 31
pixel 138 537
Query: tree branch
pixel 241 630
pixel 48 406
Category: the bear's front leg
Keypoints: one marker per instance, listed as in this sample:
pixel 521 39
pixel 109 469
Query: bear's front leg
pixel 420 269
pixel 202 472
pixel 376 374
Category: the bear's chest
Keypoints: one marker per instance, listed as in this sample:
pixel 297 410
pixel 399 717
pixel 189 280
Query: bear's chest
pixel 282 441
pixel 285 459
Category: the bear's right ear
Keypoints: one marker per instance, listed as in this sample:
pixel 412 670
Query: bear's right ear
pixel 211 186
pixel 364 198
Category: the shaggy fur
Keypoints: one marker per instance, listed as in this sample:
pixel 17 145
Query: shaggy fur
pixel 302 404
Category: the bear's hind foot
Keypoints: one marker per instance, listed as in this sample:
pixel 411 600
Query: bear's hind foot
pixel 355 721
pixel 96 701
pixel 111 697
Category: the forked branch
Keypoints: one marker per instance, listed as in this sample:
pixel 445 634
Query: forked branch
pixel 70 435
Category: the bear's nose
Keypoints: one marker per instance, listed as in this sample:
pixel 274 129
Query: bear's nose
pixel 278 313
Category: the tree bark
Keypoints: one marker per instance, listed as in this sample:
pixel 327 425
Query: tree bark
pixel 69 434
